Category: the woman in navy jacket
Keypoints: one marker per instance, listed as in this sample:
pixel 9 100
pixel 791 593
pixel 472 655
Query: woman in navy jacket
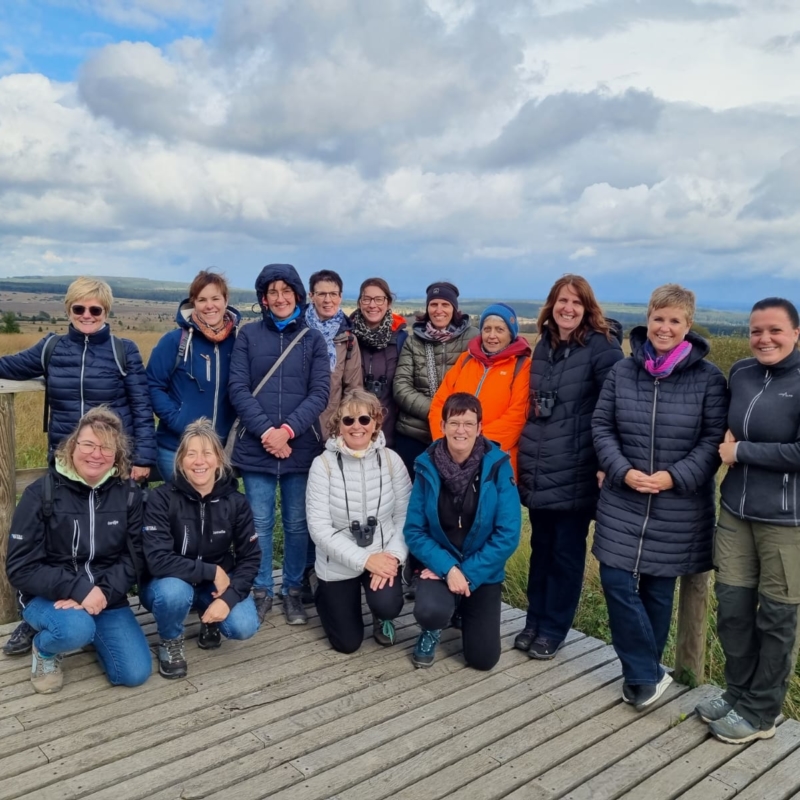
pixel 462 524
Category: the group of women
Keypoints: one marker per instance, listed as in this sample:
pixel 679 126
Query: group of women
pixel 342 413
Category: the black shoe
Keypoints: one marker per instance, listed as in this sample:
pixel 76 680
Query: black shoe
pixel 630 694
pixel 308 586
pixel 172 658
pixel 411 589
pixel 544 649
pixel 383 631
pixel 20 641
pixel 650 692
pixel 524 639
pixel 455 620
pixel 293 608
pixel 210 637
pixel 263 603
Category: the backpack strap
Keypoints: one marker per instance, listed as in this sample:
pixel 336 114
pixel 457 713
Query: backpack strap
pixel 517 368
pixel 47 354
pixel 120 356
pixel 186 335
pixel 350 346
pixel 48 494
pixel 402 335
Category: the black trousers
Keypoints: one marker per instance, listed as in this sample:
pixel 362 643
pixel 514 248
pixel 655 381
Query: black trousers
pixel 339 607
pixel 480 618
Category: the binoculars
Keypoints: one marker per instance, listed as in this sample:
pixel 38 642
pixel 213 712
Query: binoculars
pixel 375 385
pixel 363 534
pixel 544 402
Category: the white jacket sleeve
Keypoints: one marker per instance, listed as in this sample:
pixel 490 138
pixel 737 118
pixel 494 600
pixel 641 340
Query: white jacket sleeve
pixel 401 484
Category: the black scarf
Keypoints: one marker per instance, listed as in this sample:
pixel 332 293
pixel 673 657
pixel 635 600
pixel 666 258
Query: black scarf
pixel 458 477
pixel 376 338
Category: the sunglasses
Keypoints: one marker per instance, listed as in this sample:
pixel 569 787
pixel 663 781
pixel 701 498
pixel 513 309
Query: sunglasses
pixel 363 419
pixel 95 311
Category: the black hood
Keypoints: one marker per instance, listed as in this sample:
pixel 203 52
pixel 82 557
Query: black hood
pixel 280 272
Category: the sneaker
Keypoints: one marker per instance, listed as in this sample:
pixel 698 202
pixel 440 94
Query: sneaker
pixel 20 641
pixel 544 649
pixel 210 637
pixel 734 729
pixel 263 603
pixel 712 710
pixel 308 586
pixel 46 674
pixel 383 631
pixel 293 608
pixel 629 694
pixel 172 658
pixel 650 692
pixel 425 649
pixel 524 639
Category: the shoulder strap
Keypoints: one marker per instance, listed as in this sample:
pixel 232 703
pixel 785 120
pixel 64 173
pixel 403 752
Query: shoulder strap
pixel 48 495
pixel 47 354
pixel 351 341
pixel 402 335
pixel 518 367
pixel 469 356
pixel 120 356
pixel 283 355
pixel 182 345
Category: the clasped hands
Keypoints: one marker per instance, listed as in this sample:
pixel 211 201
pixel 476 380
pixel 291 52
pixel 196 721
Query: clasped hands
pixel 649 484
pixel 276 442
pixel 456 582
pixel 218 610
pixel 383 569
pixel 93 603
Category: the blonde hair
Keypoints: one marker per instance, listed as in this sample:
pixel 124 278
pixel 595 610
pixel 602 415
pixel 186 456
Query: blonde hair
pixel 357 398
pixel 83 288
pixel 672 294
pixel 107 426
pixel 203 429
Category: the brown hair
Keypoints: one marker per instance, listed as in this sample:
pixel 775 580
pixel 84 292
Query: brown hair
pixel 593 318
pixel 358 397
pixel 380 283
pixel 202 428
pixel 107 426
pixel 672 294
pixel 459 403
pixel 206 278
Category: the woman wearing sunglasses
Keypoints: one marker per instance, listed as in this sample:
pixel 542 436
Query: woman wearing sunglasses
pixel 356 504
pixel 85 368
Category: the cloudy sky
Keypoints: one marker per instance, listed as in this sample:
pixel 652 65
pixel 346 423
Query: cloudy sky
pixel 495 144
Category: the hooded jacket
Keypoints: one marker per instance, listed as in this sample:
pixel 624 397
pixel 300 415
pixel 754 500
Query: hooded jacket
pixel 412 389
pixel 197 386
pixel 675 424
pixel 764 418
pixel 295 395
pixel 494 534
pixel 83 373
pixel 500 382
pixel 342 489
pixel 186 536
pixel 91 539
pixel 557 463
pixel 346 375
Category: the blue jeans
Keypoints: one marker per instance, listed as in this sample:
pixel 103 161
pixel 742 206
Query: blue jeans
pixel 119 641
pixel 639 620
pixel 165 461
pixel 260 490
pixel 170 599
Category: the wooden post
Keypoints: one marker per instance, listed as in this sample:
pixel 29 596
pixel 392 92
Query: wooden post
pixel 690 648
pixel 8 484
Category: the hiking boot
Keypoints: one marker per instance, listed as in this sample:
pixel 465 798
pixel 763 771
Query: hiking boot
pixel 455 620
pixel 20 641
pixel 263 603
pixel 210 637
pixel 650 692
pixel 172 658
pixel 383 631
pixel 411 588
pixel 629 694
pixel 308 587
pixel 544 649
pixel 712 710
pixel 734 729
pixel 293 608
pixel 46 674
pixel 425 649
pixel 524 639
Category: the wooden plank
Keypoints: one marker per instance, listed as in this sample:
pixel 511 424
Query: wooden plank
pixel 16 387
pixel 25 477
pixel 8 500
pixel 778 783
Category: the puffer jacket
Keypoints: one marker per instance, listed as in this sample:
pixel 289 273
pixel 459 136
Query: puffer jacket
pixel 197 386
pixel 500 382
pixel 347 374
pixel 494 534
pixel 764 417
pixel 557 462
pixel 83 373
pixel 296 394
pixel 343 488
pixel 92 538
pixel 412 387
pixel 674 424
pixel 186 536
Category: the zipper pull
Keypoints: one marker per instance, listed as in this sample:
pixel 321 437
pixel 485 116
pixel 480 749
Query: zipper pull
pixel 459 521
pixel 208 366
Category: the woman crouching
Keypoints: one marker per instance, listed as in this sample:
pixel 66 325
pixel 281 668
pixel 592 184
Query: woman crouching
pixel 201 549
pixel 356 502
pixel 463 524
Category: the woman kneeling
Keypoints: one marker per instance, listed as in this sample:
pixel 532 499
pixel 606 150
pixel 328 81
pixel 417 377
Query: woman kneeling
pixel 74 538
pixel 201 549
pixel 356 504
pixel 463 524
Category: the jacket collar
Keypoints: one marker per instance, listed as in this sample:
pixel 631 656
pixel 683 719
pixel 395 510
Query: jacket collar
pixel 98 337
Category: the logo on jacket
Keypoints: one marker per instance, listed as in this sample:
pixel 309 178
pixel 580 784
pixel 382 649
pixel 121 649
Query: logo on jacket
pixel 785 394
pixel 218 533
pixel 113 522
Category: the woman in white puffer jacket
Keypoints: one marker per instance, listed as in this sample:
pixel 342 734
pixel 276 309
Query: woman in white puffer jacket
pixel 356 502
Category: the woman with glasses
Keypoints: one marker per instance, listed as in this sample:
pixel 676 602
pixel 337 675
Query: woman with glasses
pixel 356 504
pixel 85 368
pixel 462 524
pixel 74 553
pixel 381 335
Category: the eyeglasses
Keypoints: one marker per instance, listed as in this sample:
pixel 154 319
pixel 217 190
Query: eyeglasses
pixel 378 300
pixel 95 311
pixel 328 295
pixel 87 448
pixel 363 419
pixel 455 424
pixel 274 294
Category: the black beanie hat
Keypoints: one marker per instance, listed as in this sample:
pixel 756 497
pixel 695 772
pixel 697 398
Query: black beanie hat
pixel 442 291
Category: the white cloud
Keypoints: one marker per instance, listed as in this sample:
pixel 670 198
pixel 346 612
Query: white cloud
pixel 583 252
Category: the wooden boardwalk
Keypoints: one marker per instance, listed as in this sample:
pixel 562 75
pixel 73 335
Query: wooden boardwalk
pixel 282 716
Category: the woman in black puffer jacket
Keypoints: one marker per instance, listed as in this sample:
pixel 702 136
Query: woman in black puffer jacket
pixel 557 463
pixel 658 423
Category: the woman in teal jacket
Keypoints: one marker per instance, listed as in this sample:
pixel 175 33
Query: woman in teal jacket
pixel 463 524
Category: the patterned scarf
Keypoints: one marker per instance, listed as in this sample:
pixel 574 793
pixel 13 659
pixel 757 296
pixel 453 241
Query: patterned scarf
pixel 328 328
pixel 218 334
pixel 457 477
pixel 440 334
pixel 662 366
pixel 376 338
pixel 433 373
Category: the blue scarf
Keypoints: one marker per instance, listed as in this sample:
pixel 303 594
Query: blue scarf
pixel 328 328
pixel 280 324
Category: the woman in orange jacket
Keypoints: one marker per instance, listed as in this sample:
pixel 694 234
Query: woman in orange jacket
pixel 496 369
